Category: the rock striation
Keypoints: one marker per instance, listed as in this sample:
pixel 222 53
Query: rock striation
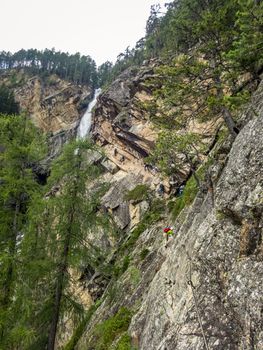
pixel 204 289
pixel 120 124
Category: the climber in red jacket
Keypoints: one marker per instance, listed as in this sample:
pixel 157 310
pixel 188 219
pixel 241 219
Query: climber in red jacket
pixel 169 232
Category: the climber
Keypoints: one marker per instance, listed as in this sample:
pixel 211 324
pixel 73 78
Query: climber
pixel 180 190
pixel 168 232
pixel 147 167
pixel 161 189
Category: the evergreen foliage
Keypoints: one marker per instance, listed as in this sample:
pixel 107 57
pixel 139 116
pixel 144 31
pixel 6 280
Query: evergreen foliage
pixel 138 194
pixel 247 51
pixel 21 147
pixel 76 68
pixel 173 151
pixel 8 105
pixel 63 245
pixel 207 48
pixel 81 327
pixel 43 238
pixel 217 29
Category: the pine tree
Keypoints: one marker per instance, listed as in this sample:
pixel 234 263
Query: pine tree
pixel 173 153
pixel 21 147
pixel 56 243
pixel 201 83
pixel 247 52
pixel 8 105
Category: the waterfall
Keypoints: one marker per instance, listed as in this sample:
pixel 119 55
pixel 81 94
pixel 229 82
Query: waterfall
pixel 85 123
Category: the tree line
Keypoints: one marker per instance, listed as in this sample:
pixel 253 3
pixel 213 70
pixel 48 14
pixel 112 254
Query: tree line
pixel 187 24
pixel 77 68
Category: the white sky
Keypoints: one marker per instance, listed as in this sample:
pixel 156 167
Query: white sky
pixel 99 28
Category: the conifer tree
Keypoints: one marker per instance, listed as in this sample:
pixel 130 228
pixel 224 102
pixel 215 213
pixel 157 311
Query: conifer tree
pixel 8 105
pixel 200 83
pixel 21 147
pixel 56 243
pixel 247 52
pixel 73 212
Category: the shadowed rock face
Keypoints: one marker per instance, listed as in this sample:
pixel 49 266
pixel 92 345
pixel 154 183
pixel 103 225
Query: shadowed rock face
pixel 120 124
pixel 213 267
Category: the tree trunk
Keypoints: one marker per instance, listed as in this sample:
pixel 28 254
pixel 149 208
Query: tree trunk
pixel 230 122
pixel 62 269
pixel 228 119
pixel 59 287
pixel 12 249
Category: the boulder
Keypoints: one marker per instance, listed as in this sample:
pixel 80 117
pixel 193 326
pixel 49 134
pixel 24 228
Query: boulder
pixel 110 166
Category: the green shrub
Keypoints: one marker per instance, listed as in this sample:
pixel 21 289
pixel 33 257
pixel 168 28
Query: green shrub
pixel 107 331
pixel 138 194
pixel 124 343
pixel 135 275
pixel 118 270
pixel 190 191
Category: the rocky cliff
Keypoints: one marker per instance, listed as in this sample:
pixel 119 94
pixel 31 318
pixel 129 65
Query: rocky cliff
pixel 53 104
pixel 202 290
pixel 123 128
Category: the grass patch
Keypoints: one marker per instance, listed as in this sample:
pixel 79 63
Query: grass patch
pixel 190 191
pixel 107 331
pixel 124 343
pixel 135 275
pixel 138 194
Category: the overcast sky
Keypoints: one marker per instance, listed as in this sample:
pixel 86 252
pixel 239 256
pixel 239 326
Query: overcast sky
pixel 99 28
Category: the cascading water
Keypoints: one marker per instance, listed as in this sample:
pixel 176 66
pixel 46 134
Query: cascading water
pixel 85 123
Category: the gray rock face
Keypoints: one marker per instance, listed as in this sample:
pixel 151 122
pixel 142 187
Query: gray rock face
pixel 214 265
pixel 120 90
pixel 110 166
pixel 205 286
pixel 114 199
pixel 115 196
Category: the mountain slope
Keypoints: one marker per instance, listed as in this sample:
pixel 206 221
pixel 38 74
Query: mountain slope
pixel 211 269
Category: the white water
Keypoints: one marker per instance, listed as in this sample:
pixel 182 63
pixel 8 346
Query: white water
pixel 85 123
